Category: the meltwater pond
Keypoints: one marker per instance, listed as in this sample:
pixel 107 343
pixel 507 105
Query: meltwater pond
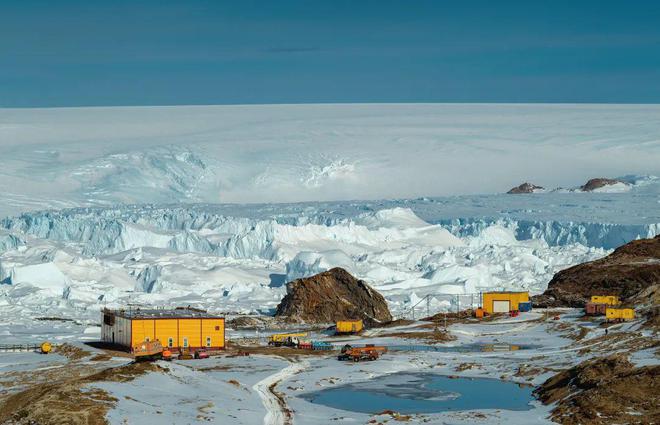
pixel 410 393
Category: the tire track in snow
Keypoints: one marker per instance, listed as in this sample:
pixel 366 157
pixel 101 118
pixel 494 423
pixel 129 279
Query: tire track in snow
pixel 277 412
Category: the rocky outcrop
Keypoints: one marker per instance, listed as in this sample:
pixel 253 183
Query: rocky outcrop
pixel 525 188
pixel 606 390
pixel 629 270
pixel 597 183
pixel 330 296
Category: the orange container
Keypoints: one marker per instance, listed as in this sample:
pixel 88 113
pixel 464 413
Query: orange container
pixel 479 313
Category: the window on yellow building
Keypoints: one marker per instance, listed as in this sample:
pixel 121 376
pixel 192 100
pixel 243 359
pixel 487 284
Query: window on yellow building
pixel 208 341
pixel 170 342
pixel 185 342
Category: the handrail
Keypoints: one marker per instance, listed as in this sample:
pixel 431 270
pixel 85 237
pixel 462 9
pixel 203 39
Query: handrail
pixel 19 347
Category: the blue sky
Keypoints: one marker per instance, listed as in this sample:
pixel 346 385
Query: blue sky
pixel 73 53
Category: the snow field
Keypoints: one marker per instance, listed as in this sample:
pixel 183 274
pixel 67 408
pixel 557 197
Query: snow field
pixel 66 157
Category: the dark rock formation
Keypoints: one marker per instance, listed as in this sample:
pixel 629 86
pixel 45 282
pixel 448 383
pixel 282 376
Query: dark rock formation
pixel 525 188
pixel 330 296
pixel 629 270
pixel 606 390
pixel 597 183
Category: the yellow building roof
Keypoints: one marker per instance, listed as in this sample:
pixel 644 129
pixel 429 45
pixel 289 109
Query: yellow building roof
pixel 177 313
pixel 506 292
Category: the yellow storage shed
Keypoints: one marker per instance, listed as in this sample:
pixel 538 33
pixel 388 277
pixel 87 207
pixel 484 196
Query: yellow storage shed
pixel 605 299
pixel 177 329
pixel 619 314
pixel 503 302
pixel 281 338
pixel 349 326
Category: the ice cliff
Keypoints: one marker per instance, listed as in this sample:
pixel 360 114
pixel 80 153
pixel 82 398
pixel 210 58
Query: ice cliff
pixel 237 257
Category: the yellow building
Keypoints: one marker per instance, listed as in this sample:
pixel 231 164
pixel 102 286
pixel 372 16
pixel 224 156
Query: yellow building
pixel 619 314
pixel 503 302
pixel 179 328
pixel 349 326
pixel 605 299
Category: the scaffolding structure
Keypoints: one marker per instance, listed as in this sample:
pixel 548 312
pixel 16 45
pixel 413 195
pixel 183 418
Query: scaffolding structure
pixel 434 303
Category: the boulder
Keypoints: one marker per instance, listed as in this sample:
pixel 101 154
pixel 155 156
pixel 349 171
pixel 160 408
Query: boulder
pixel 628 271
pixel 330 296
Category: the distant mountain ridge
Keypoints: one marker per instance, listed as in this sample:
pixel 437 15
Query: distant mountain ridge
pixel 526 188
pixel 597 184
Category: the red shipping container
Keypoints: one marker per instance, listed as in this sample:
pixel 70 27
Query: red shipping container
pixel 592 309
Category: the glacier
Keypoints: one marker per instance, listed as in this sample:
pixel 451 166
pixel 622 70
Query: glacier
pixel 236 258
pixel 219 206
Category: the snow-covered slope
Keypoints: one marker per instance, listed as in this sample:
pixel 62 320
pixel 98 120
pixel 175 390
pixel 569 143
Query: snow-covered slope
pixel 55 158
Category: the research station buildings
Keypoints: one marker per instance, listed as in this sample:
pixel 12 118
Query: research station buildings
pixel 181 328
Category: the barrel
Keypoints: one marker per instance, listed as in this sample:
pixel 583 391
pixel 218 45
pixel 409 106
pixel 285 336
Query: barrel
pixel 45 347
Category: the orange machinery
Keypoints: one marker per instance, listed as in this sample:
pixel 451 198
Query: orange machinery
pixel 148 350
pixel 368 352
pixel 167 354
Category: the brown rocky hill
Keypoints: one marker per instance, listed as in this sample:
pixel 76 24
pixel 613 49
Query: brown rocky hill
pixel 597 183
pixel 608 390
pixel 629 270
pixel 524 188
pixel 330 296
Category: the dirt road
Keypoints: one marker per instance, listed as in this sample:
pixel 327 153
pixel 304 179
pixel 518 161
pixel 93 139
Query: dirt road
pixel 277 412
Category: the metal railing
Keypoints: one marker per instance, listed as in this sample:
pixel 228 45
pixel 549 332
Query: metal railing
pixel 19 347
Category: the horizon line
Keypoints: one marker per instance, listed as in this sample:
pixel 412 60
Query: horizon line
pixel 192 105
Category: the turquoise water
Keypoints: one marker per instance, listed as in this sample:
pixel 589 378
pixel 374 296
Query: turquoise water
pixel 410 393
